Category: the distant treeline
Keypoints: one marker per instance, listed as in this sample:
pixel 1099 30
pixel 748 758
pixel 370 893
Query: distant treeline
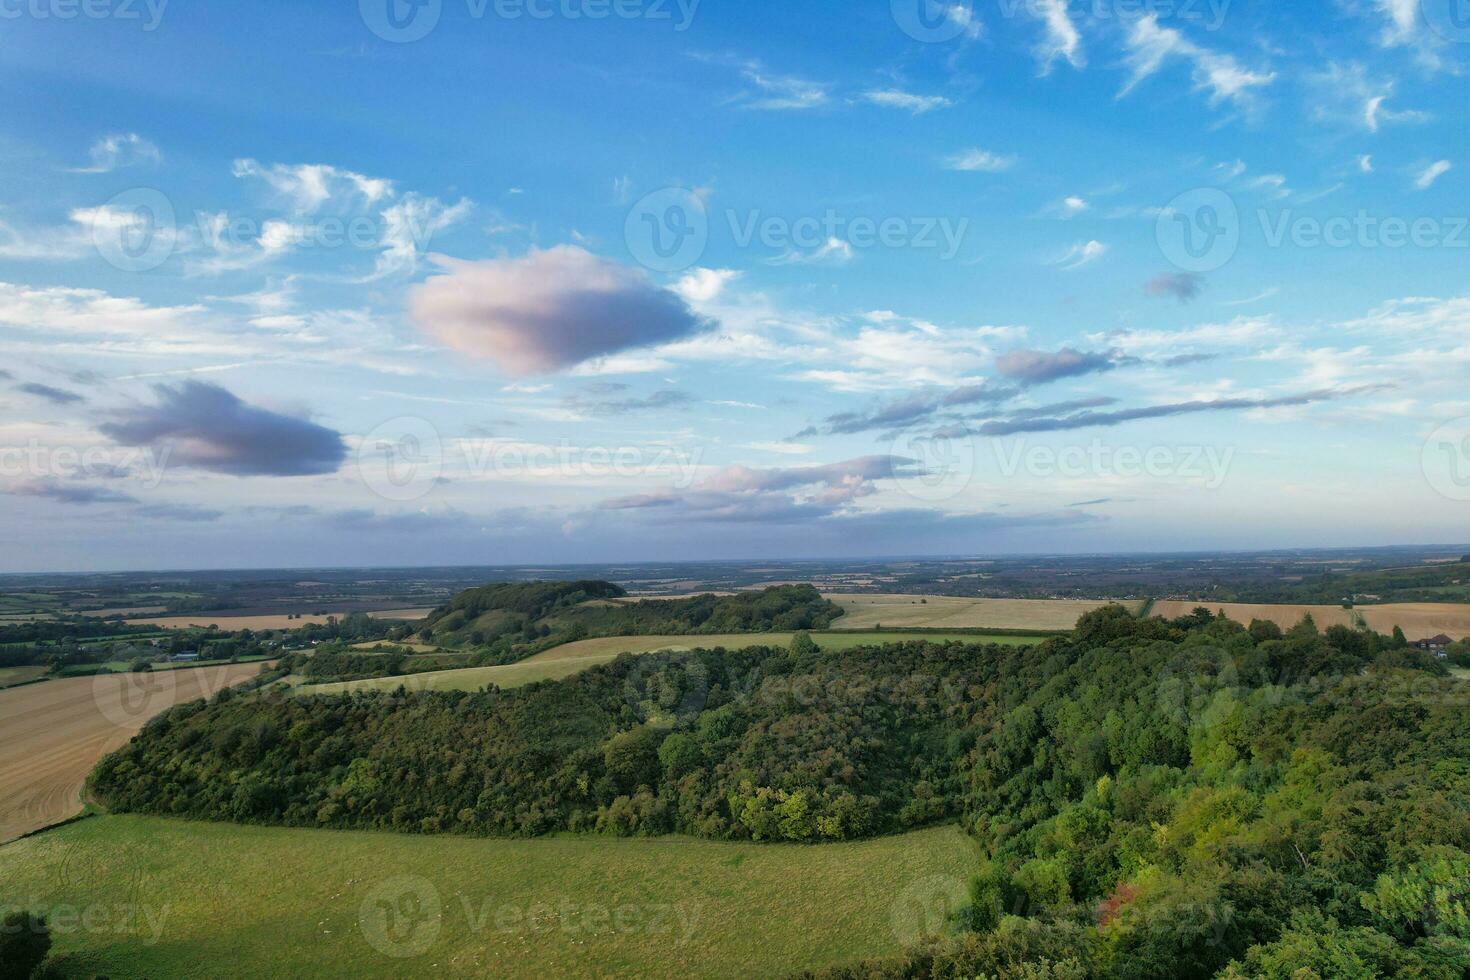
pixel 512 620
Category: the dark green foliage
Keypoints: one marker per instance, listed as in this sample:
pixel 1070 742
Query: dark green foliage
pixel 342 665
pixel 25 939
pixel 755 744
pixel 1194 799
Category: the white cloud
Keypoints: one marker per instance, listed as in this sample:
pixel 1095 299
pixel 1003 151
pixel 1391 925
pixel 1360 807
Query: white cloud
pixel 118 150
pixel 1432 173
pixel 1062 37
pixel 1080 254
pixel 1349 94
pixel 1067 207
pixel 92 312
pixel 309 186
pixel 1241 332
pixel 897 99
pixel 1150 46
pixel 781 448
pixel 704 285
pixel 978 160
pixel 772 91
pixel 834 251
pixel 409 225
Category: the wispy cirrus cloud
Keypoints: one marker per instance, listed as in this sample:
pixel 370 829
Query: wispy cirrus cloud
pixel 1063 39
pixel 1151 46
pixel 307 187
pixel 117 150
pixel 1095 419
pixel 976 160
pixel 1430 174
pixel 778 495
pixel 1080 254
pixel 891 98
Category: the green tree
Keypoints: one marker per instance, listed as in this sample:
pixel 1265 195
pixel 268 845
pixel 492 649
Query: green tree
pixel 632 757
pixel 25 939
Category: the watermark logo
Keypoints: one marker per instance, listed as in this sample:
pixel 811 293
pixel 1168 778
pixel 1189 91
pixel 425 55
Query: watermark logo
pixel 402 459
pixel 667 231
pixel 932 21
pixel 1199 231
pixel 924 907
pixel 943 464
pixel 1446 459
pixel 127 700
pixel 401 917
pixel 135 231
pixel 1450 19
pixel 400 21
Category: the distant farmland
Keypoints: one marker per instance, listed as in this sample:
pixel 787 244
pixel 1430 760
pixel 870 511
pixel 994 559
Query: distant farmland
pixel 1419 620
pixel 53 733
pixel 949 612
pixel 569 658
pixel 214 894
pixel 267 621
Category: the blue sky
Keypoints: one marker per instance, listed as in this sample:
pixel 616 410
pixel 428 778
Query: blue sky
pixel 352 283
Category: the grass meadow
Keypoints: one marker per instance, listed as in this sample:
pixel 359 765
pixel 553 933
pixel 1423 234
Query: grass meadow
pixel 150 897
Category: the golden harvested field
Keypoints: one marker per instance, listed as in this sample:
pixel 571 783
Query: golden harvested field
pixel 950 612
pixel 52 734
pixel 270 621
pixel 1419 620
pixel 1283 615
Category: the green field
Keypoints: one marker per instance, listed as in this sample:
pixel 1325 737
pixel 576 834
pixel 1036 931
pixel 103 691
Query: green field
pixel 173 898
pixel 569 658
pixel 19 675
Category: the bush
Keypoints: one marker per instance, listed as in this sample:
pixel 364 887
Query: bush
pixel 25 939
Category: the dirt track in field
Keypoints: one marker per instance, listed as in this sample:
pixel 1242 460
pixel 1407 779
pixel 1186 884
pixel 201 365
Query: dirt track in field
pixel 53 733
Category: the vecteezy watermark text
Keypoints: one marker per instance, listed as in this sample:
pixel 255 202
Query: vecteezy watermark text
pixel 402 917
pixel 1207 464
pixel 148 12
pixel 404 21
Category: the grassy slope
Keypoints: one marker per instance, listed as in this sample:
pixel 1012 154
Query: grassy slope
pixel 279 902
pixel 569 658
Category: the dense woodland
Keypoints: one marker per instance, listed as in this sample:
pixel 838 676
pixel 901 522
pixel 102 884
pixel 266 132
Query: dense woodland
pixel 1191 798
